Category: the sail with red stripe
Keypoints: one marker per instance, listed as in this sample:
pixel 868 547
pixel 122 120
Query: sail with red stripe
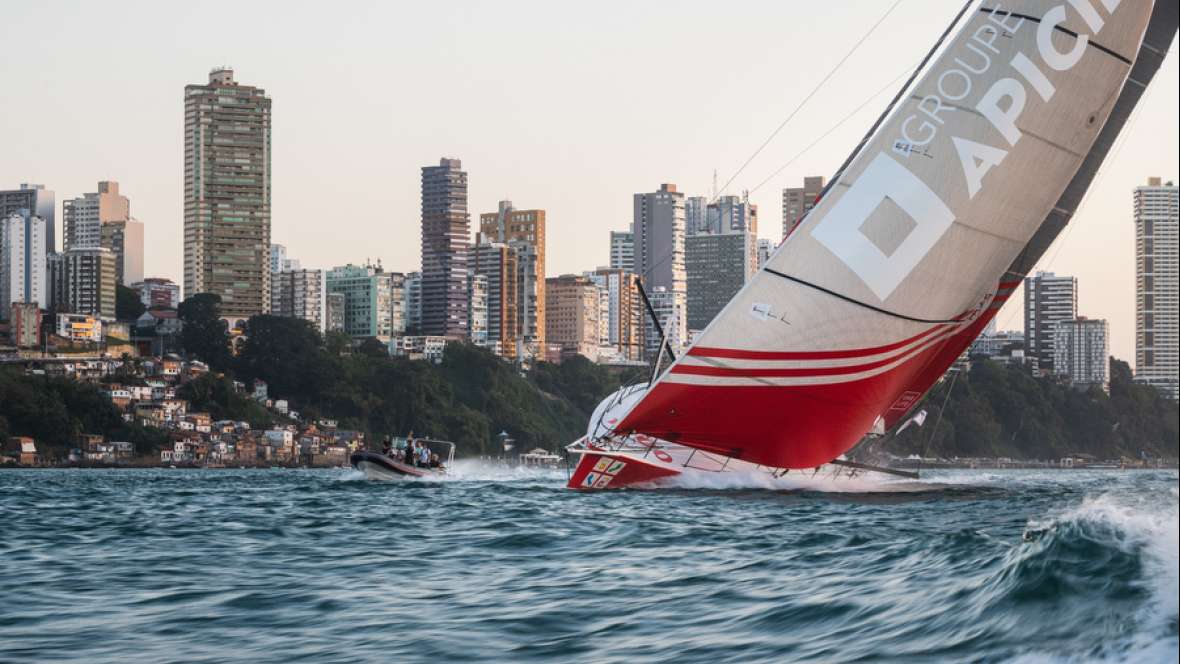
pixel 920 239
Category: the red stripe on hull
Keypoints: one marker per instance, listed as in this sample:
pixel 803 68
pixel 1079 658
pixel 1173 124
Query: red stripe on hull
pixel 795 426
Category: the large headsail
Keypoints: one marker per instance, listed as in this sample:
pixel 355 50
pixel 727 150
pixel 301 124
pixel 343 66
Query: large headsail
pixel 920 239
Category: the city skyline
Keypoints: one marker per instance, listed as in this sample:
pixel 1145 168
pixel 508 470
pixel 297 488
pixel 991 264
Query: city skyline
pixel 533 149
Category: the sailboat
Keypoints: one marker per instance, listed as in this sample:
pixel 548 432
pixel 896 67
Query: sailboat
pixel 924 232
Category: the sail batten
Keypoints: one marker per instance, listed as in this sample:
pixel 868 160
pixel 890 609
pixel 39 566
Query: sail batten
pixel 922 236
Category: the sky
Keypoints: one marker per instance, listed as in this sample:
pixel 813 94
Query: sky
pixel 567 107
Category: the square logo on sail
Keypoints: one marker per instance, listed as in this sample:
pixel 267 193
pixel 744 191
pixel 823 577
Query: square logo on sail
pixel 602 481
pixel 591 478
pixel 602 464
pixel 616 467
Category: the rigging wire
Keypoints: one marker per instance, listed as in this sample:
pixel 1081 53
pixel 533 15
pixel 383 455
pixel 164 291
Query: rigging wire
pixel 833 128
pixel 934 431
pixel 806 99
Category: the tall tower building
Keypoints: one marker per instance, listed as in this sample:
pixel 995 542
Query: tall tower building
pixel 83 217
pixel 1081 351
pixel 125 240
pixel 696 215
pixel 22 261
pixel 573 311
pixel 89 282
pixel 625 315
pixel 300 294
pixel 37 200
pixel 718 265
pixel 524 232
pixel 1048 299
pixel 445 237
pixel 497 262
pixel 227 193
pixel 622 250
pixel 368 306
pixel 658 230
pixel 797 201
pixel 1157 342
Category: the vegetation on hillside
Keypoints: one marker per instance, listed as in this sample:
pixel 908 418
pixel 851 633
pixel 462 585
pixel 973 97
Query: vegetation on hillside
pixel 53 410
pixel 468 398
pixel 472 395
pixel 1003 411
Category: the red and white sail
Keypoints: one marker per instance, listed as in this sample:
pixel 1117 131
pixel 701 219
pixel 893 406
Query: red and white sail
pixel 919 240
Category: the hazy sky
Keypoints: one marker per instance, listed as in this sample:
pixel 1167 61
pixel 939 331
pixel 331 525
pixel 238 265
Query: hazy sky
pixel 568 107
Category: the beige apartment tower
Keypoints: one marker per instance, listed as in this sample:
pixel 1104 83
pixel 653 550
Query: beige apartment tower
pixel 524 232
pixel 227 193
pixel 572 312
pixel 798 201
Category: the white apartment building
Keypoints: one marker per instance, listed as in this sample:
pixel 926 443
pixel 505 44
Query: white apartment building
pixel 1157 289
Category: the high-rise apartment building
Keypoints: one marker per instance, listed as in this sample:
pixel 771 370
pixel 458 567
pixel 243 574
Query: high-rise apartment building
pixel 658 230
pixel 497 262
pixel 477 308
pixel 300 294
pixel 227 172
pixel 1081 351
pixel 1048 300
pixel 22 261
pixel 445 243
pixel 413 284
pixel 89 282
pixel 398 303
pixel 83 217
pixel 524 232
pixel 37 200
pixel 717 266
pixel 625 315
pixel 24 320
pixel 445 239
pixel 1157 288
pixel 125 240
pixel 622 250
pixel 572 312
pixel 334 306
pixel 765 249
pixel 696 215
pixel 279 260
pixel 729 214
pixel 798 201
pixel 368 307
pixel 670 312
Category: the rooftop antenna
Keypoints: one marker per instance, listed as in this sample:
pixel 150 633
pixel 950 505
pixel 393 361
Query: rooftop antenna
pixel 714 196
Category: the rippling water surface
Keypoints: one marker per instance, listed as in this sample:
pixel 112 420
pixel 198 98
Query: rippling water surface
pixel 490 565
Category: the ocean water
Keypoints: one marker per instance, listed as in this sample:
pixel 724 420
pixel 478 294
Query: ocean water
pixel 499 566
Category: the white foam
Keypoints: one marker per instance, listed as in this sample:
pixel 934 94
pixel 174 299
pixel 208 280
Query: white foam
pixel 478 470
pixel 1150 525
pixel 796 481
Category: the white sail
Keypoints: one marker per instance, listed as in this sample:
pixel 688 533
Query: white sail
pixel 909 252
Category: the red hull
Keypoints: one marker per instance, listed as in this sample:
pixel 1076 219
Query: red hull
pixel 601 471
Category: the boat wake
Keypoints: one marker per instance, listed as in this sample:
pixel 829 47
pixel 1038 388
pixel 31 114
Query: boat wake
pixel 1110 547
pixel 799 481
pixel 479 470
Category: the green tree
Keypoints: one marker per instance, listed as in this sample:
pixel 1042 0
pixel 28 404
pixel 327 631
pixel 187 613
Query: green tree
pixel 128 306
pixel 205 335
